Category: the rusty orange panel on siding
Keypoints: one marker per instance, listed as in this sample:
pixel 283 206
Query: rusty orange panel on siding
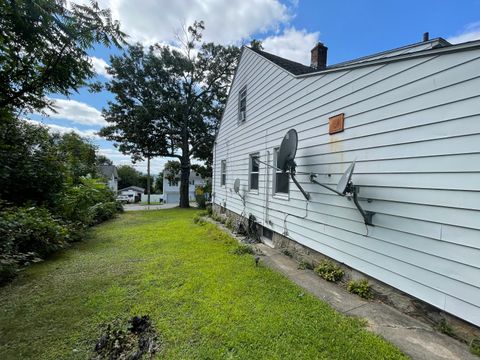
pixel 336 123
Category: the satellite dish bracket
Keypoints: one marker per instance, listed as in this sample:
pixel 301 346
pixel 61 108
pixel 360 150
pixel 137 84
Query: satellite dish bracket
pixel 367 215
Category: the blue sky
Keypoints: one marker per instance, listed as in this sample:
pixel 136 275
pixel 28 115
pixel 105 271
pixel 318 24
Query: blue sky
pixel 290 29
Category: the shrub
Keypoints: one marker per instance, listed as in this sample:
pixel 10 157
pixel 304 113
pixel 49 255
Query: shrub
pixel 28 234
pixel 209 210
pixel 89 203
pixel 243 249
pixel 230 223
pixel 361 288
pixel 201 197
pixel 329 271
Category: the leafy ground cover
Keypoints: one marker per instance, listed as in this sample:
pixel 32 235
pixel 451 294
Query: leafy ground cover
pixel 204 301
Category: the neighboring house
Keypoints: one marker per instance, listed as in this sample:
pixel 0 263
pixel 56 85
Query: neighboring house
pixel 411 118
pixel 109 173
pixel 133 192
pixel 171 189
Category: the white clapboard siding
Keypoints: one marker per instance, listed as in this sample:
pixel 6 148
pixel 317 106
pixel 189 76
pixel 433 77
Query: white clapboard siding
pixel 414 128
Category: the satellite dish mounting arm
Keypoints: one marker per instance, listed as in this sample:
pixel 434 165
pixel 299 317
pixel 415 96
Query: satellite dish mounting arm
pixel 353 191
pixel 312 179
pixel 292 171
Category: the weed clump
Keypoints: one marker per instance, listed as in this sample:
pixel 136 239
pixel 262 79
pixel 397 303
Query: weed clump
pixel 329 271
pixel 199 220
pixel 361 288
pixel 138 340
pixel 445 328
pixel 287 252
pixel 475 346
pixel 243 249
pixel 304 265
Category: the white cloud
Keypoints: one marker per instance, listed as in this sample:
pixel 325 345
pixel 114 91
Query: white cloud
pixel 471 32
pixel 89 133
pixel 151 21
pixel 292 44
pixel 100 67
pixel 156 164
pixel 76 111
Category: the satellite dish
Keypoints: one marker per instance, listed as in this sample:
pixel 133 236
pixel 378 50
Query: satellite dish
pixel 236 185
pixel 236 188
pixel 342 185
pixel 288 150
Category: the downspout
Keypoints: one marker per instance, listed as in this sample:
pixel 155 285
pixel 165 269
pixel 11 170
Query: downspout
pixel 267 181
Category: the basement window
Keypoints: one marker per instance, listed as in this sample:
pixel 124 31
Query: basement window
pixel 254 171
pixel 223 172
pixel 281 180
pixel 242 105
pixel 267 233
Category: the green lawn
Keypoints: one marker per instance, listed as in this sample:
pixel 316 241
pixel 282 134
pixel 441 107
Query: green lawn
pixel 204 301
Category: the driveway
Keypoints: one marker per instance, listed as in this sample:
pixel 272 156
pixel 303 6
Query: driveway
pixel 140 207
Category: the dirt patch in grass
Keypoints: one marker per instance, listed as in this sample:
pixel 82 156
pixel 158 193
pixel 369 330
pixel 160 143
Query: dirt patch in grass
pixel 138 340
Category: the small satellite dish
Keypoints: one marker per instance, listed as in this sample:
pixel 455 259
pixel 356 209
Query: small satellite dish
pixel 236 185
pixel 236 188
pixel 345 179
pixel 288 150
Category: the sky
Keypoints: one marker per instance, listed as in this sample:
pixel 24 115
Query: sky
pixel 288 28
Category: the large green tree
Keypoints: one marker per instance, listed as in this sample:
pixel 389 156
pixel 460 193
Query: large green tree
pixel 43 49
pixel 171 100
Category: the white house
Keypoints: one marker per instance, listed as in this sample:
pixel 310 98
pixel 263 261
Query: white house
pixel 109 172
pixel 411 118
pixel 171 189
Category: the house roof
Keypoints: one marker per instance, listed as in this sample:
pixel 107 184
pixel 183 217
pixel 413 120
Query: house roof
pixel 289 65
pixel 134 188
pixel 296 68
pixel 108 170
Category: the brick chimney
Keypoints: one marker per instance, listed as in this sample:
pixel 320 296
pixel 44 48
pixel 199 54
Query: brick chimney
pixel 319 57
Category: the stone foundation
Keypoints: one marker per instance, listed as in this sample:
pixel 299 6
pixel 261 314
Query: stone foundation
pixel 403 302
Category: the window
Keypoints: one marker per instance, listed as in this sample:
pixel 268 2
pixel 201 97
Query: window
pixel 242 105
pixel 223 173
pixel 192 182
pixel 173 182
pixel 281 180
pixel 254 171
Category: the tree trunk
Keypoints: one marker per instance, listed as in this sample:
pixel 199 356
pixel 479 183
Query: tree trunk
pixel 148 180
pixel 185 182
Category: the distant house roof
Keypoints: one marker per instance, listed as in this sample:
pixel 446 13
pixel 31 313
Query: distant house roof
pixel 108 170
pixel 296 68
pixel 134 188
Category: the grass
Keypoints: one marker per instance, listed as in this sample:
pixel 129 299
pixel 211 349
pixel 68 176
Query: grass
pixel 204 301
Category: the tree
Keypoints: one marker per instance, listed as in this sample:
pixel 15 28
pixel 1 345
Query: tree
pixel 159 183
pixel 30 168
pixel 256 44
pixel 103 160
pixel 128 176
pixel 174 99
pixel 43 47
pixel 133 113
pixel 78 155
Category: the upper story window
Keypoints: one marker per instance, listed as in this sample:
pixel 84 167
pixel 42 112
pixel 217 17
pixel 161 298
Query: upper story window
pixel 223 172
pixel 173 182
pixel 242 104
pixel 254 171
pixel 281 180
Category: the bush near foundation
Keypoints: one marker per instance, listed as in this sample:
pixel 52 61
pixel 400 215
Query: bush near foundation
pixel 329 271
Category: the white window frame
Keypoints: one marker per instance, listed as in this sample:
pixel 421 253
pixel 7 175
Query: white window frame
pixel 223 173
pixel 250 172
pixel 242 114
pixel 281 195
